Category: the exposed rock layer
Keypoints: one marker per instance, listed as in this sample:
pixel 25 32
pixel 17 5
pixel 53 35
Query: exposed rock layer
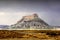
pixel 30 22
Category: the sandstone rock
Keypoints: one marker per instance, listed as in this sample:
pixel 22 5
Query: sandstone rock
pixel 30 22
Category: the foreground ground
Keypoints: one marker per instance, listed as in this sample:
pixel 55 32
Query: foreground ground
pixel 30 38
pixel 29 35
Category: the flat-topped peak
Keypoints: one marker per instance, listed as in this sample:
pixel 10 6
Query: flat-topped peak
pixel 31 22
pixel 30 17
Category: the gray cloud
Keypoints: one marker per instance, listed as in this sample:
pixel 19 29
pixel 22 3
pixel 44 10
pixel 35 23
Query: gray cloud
pixel 13 11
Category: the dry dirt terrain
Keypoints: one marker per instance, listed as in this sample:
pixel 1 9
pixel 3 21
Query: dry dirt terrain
pixel 29 35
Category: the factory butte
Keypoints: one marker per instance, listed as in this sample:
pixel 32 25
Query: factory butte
pixel 30 22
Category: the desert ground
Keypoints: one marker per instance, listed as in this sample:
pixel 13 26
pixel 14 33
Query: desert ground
pixel 29 34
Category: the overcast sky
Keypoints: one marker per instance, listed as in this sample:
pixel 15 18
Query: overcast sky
pixel 13 11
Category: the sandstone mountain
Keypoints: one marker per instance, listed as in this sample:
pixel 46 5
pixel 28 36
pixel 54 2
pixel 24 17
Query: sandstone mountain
pixel 30 22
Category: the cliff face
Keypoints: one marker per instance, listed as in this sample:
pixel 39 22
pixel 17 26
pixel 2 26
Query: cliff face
pixel 30 17
pixel 31 22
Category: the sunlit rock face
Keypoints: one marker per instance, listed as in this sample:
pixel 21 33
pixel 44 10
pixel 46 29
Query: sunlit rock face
pixel 30 22
pixel 30 17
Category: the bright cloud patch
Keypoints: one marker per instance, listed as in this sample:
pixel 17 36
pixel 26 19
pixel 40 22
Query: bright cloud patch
pixel 2 13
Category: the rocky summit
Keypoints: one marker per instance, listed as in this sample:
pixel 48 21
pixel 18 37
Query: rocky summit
pixel 30 22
